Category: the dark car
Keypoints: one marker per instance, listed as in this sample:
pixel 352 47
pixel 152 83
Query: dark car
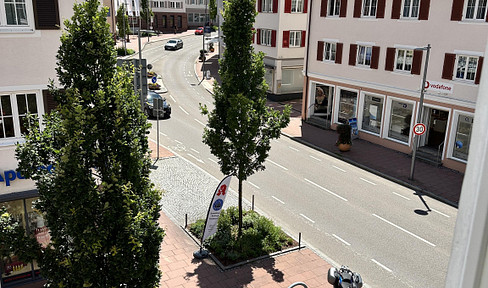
pixel 150 109
pixel 173 44
pixel 199 31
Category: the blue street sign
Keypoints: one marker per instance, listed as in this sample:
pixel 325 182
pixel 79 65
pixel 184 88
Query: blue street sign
pixel 154 79
pixel 208 29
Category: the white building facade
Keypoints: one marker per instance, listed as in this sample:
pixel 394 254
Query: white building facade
pixel 280 34
pixel 365 62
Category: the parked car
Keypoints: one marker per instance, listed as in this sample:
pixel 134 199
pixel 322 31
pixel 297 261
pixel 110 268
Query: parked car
pixel 199 31
pixel 150 109
pixel 173 44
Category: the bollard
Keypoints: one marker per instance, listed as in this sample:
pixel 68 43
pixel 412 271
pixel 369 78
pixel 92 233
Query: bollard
pixel 299 240
pixel 186 220
pixel 252 203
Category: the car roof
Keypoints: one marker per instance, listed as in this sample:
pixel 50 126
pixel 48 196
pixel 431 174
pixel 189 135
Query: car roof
pixel 153 94
pixel 175 39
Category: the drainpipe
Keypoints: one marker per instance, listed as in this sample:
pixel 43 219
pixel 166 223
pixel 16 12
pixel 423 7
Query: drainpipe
pixel 305 97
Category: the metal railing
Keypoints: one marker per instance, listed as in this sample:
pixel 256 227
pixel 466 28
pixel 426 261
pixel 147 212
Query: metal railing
pixel 298 283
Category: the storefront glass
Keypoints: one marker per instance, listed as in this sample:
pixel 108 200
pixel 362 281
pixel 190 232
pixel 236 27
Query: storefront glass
pixel 372 113
pixel 463 137
pixel 323 97
pixel 347 105
pixel 400 120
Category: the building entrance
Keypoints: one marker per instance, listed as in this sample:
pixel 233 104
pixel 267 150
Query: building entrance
pixel 436 122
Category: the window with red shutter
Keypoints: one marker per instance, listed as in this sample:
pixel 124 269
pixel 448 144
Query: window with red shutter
pixel 478 71
pixel 390 59
pixel 457 10
pixel 304 34
pixel 338 59
pixel 380 9
pixel 424 10
pixel 343 8
pixel 305 6
pixel 358 5
pixel 448 69
pixel 375 56
pixel 320 51
pixel 273 38
pixel 287 6
pixel 417 62
pixel 323 8
pixel 258 37
pixel 260 5
pixel 353 49
pixel 396 9
pixel 46 14
pixel 286 39
pixel 275 6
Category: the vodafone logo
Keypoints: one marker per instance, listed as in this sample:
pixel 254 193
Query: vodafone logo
pixel 438 87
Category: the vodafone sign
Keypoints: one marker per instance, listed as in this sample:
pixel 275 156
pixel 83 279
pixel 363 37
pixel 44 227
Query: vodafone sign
pixel 438 87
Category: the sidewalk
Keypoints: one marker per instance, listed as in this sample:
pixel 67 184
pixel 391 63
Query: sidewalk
pixel 437 182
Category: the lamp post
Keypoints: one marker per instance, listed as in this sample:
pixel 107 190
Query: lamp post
pixel 416 138
pixel 203 41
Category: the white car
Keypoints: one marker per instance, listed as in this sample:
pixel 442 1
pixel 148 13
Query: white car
pixel 173 44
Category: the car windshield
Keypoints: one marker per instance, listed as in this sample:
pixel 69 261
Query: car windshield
pixel 172 41
pixel 151 96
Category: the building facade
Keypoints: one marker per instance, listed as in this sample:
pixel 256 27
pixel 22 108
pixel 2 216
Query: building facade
pixel 280 34
pixel 366 60
pixel 29 37
pixel 198 13
pixel 169 16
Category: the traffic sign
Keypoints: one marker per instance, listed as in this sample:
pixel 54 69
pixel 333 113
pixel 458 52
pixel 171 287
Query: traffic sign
pixel 419 129
pixel 154 79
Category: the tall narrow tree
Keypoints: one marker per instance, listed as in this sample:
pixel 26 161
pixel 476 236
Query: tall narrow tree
pixel 99 203
pixel 241 126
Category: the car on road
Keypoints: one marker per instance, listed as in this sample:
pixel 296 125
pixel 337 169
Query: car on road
pixel 199 31
pixel 173 44
pixel 150 106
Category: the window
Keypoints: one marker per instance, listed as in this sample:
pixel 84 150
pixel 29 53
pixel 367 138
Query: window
pixel 404 60
pixel 347 105
pixel 364 55
pixel 265 37
pixel 297 6
pixel 295 38
pixel 6 118
pixel 400 120
pixel 329 51
pixel 323 100
pixel 462 137
pixel 334 8
pixel 13 112
pixel 466 67
pixel 369 8
pixel 15 13
pixel 475 10
pixel 372 113
pixel 410 9
pixel 267 6
pixel 190 17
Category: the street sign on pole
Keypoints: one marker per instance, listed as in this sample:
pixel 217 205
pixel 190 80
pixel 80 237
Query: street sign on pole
pixel 419 129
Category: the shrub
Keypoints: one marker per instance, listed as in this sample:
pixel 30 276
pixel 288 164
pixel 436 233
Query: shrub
pixel 122 52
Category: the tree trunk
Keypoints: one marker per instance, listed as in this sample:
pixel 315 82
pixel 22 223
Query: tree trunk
pixel 240 209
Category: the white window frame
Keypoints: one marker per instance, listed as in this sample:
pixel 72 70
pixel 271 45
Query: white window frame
pixel 295 39
pixel 267 6
pixel 297 6
pixel 410 9
pixel 403 69
pixel 361 112
pixel 265 36
pixel 5 28
pixel 452 136
pixel 337 102
pixel 387 119
pixel 456 66
pixel 330 50
pixel 370 8
pixel 361 58
pixel 474 17
pixel 334 8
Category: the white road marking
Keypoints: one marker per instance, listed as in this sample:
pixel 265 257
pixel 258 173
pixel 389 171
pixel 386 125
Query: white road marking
pixel 178 142
pixel 294 149
pixel 445 215
pixel 404 230
pixel 277 199
pixel 307 218
pixel 194 150
pixel 212 160
pixel 340 239
pixel 326 190
pixel 367 181
pixel 200 122
pixel 282 167
pixel 381 265
pixel 163 134
pixel 199 160
pixel 340 169
pixel 406 198
pixel 315 158
pixel 172 98
pixel 183 110
pixel 254 185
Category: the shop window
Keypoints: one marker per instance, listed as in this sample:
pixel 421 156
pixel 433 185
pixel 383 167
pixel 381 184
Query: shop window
pixel 323 100
pixel 462 137
pixel 400 121
pixel 372 113
pixel 347 105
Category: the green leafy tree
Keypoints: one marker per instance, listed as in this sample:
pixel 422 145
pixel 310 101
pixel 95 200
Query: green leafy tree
pixel 145 11
pixel 241 126
pixel 212 5
pixel 99 203
pixel 122 21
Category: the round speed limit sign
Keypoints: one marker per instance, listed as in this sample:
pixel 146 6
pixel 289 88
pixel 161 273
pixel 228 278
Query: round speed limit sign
pixel 419 129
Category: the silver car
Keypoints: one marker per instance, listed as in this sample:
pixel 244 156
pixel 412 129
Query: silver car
pixel 173 44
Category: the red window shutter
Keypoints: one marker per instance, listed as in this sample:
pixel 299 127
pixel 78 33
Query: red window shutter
pixel 396 9
pixel 275 6
pixel 380 9
pixel 457 11
pixel 424 10
pixel 343 11
pixel 273 38
pixel 323 8
pixel 253 35
pixel 260 5
pixel 46 14
pixel 287 6
pixel 304 37
pixel 448 69
pixel 258 37
pixel 305 6
pixel 320 51
pixel 286 39
pixel 478 71
pixel 338 53
pixel 375 57
pixel 390 59
pixel 49 102
pixel 417 62
pixel 353 50
pixel 358 5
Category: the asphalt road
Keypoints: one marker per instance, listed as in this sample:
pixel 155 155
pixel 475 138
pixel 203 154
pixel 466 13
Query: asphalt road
pixel 393 237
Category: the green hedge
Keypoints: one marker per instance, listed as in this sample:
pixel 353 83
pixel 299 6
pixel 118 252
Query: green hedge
pixel 121 51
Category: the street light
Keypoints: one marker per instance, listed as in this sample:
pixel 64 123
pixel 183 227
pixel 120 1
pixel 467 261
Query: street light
pixel 421 108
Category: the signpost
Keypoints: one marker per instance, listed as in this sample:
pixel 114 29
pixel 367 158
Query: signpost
pixel 158 104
